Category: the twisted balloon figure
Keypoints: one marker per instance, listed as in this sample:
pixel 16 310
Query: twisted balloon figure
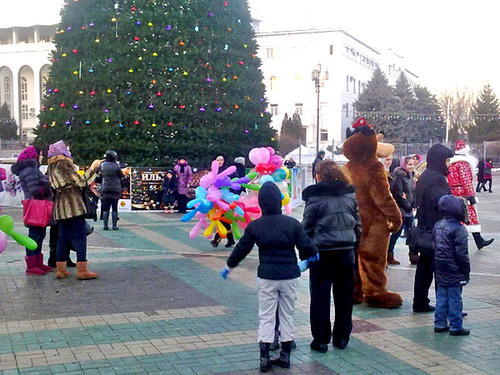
pixel 7 229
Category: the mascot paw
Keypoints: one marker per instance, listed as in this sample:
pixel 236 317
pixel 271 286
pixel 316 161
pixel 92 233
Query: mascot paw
pixel 385 301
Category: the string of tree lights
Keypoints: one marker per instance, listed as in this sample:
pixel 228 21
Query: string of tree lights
pixel 424 116
pixel 155 80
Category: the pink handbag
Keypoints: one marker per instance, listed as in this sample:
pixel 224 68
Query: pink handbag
pixel 37 212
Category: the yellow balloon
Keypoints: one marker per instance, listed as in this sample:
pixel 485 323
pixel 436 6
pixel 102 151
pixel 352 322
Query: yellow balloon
pixel 287 171
pixel 285 200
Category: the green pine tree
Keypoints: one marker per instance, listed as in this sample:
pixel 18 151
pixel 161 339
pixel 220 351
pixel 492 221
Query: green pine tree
pixel 290 134
pixel 378 99
pixel 485 112
pixel 156 80
pixel 429 124
pixel 8 126
pixel 403 124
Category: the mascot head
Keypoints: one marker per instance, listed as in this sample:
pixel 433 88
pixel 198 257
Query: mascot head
pixel 362 144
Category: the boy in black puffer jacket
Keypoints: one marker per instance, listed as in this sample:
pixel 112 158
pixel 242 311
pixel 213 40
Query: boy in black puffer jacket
pixel 276 235
pixel 331 221
pixel 452 266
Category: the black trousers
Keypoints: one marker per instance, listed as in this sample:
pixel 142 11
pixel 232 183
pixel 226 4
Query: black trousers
pixel 182 202
pixel 333 273
pixel 423 279
pixel 108 204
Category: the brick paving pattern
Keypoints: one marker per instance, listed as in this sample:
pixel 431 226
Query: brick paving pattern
pixel 159 306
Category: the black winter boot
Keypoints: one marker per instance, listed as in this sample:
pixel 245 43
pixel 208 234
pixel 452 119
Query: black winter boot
pixel 480 242
pixel 105 219
pixel 276 343
pixel 265 361
pixel 114 220
pixel 230 239
pixel 283 360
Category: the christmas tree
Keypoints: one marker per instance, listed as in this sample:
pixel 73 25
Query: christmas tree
pixel 155 80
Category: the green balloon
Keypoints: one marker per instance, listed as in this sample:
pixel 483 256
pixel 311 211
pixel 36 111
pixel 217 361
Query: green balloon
pixel 23 240
pixel 6 224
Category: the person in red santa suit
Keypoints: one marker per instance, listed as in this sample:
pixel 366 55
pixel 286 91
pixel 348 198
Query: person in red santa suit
pixel 461 169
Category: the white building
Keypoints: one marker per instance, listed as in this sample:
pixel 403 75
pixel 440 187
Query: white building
pixel 24 66
pixel 347 64
pixel 288 59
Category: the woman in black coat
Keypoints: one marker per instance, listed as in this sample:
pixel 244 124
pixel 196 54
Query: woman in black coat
pixel 169 186
pixel 111 189
pixel 403 190
pixel 35 185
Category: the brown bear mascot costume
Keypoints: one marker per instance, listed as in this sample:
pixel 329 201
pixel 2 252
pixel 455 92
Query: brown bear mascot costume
pixel 379 214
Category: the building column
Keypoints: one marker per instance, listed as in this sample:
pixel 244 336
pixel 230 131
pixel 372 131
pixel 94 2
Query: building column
pixel 35 35
pixel 14 35
pixel 16 99
pixel 37 84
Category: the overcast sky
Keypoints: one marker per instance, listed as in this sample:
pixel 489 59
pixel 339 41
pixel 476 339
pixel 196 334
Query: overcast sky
pixel 447 43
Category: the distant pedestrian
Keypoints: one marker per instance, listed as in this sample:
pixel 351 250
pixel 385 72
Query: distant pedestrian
pixel 290 163
pixel 169 186
pixel 452 266
pixel 487 177
pixel 276 235
pixel 184 177
pixel 319 159
pixel 480 176
pixel 111 190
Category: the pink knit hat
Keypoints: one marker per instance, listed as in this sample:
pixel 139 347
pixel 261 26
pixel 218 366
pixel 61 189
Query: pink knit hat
pixel 58 148
pixel 28 153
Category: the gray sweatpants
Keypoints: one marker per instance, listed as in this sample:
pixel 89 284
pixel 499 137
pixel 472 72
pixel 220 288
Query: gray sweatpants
pixel 270 293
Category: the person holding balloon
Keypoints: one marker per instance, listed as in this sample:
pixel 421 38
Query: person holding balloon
pixel 36 186
pixel 276 236
pixel 69 208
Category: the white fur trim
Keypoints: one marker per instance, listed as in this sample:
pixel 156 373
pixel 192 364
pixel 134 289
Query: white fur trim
pixel 463 151
pixel 473 228
pixel 469 159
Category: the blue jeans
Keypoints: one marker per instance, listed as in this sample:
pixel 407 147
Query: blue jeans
pixel 449 307
pixel 407 223
pixel 72 231
pixel 37 234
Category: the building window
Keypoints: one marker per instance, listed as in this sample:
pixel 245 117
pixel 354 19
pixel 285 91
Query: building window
pixel 274 83
pixel 24 111
pixel 354 85
pixel 299 108
pixel 270 53
pixel 331 49
pixel 274 109
pixel 359 87
pixel 6 89
pixel 24 89
pixel 347 84
pixel 324 135
pixel 346 109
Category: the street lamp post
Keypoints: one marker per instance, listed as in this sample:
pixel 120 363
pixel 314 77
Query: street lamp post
pixel 316 74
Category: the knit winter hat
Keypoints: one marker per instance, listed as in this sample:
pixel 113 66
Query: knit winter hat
pixel 28 153
pixel 58 148
pixel 240 160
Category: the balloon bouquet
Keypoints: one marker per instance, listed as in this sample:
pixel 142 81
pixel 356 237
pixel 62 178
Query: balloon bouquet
pixel 7 229
pixel 215 203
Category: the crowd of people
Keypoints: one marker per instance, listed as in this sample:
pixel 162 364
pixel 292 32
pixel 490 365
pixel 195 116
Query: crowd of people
pixel 437 193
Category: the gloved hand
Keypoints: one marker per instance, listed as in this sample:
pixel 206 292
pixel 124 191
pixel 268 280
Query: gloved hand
pixel 314 258
pixel 303 265
pixel 225 272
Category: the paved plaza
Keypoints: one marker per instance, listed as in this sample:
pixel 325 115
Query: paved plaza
pixel 159 306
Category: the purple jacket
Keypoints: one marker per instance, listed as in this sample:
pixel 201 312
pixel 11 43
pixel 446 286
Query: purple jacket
pixel 183 178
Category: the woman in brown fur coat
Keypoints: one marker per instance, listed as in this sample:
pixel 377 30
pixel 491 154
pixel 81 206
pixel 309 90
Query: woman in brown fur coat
pixel 69 208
